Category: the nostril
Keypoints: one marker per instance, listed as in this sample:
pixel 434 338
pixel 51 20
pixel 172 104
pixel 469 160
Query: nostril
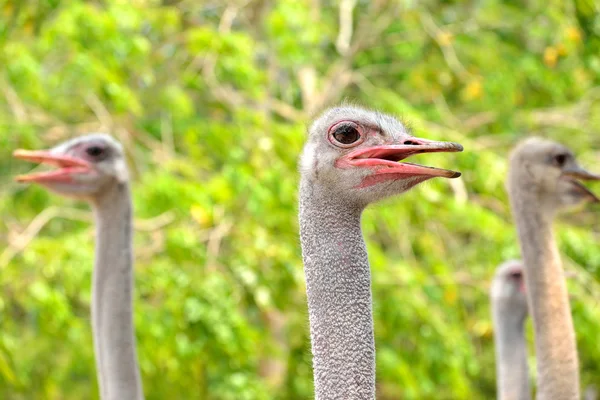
pixel 410 142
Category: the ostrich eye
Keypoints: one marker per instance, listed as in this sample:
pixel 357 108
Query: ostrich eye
pixel 95 151
pixel 344 134
pixel 516 275
pixel 560 159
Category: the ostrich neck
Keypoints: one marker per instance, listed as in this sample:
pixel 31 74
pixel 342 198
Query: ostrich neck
pixel 112 302
pixel 556 350
pixel 338 286
pixel 511 352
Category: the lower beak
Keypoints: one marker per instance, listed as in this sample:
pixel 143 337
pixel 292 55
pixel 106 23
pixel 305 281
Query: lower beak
pixel 67 166
pixel 585 192
pixel 575 173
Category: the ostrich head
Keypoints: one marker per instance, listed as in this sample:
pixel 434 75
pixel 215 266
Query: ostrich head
pixel 549 172
pixel 508 287
pixel 86 166
pixel 355 153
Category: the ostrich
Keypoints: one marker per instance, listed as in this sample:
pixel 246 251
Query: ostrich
pixel 542 179
pixel 509 311
pixel 350 160
pixel 591 393
pixel 93 168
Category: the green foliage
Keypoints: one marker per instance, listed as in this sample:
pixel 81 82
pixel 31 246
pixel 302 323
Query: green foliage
pixel 211 101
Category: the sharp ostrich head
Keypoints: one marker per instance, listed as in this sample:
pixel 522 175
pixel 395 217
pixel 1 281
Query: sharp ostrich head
pixel 86 165
pixel 508 286
pixel 355 153
pixel 549 172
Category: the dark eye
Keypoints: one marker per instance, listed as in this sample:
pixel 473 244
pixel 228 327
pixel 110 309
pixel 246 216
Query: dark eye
pixel 95 151
pixel 560 159
pixel 345 133
pixel 516 275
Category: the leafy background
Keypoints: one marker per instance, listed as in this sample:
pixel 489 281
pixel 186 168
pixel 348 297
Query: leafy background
pixel 211 100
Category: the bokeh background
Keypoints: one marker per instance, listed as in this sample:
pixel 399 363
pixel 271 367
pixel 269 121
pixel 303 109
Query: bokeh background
pixel 211 100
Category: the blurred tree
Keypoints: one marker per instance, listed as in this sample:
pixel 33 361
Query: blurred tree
pixel 211 100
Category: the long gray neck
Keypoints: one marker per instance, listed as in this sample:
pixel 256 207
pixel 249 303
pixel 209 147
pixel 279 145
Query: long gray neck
pixel 338 286
pixel 511 352
pixel 112 302
pixel 556 350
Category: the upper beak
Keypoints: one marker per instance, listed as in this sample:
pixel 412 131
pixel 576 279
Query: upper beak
pixel 577 172
pixel 385 158
pixel 67 165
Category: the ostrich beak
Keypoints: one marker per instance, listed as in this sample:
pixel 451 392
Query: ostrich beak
pixel 577 172
pixel 574 173
pixel 385 159
pixel 67 166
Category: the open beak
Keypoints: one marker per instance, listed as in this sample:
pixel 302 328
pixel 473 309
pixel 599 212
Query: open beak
pixel 67 166
pixel 574 174
pixel 385 159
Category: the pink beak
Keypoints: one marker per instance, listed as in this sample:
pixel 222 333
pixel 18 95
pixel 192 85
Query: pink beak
pixel 67 166
pixel 384 160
